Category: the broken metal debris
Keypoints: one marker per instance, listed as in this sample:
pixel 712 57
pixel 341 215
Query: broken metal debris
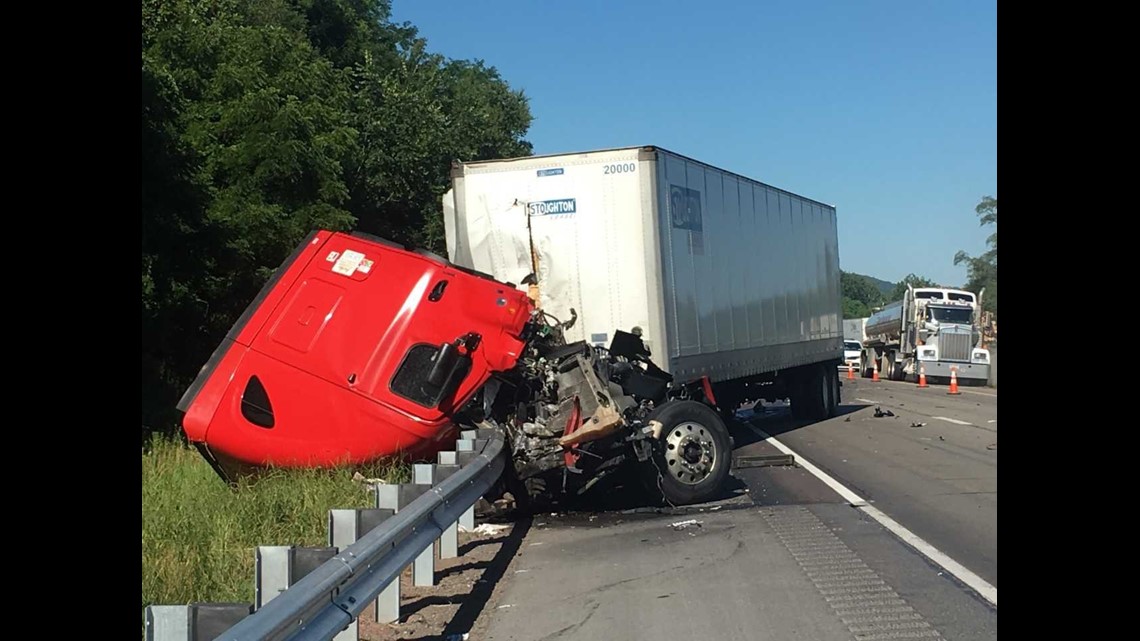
pixel 681 525
pixel 880 412
pixel 918 424
pixel 763 460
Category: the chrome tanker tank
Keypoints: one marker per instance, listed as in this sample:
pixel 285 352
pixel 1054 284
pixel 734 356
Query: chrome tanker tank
pixel 885 324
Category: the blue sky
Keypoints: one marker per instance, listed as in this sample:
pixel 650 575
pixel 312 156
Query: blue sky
pixel 887 110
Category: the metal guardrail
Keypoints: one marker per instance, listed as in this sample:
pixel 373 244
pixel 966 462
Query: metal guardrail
pixel 326 602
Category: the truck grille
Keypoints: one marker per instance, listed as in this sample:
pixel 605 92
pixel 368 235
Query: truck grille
pixel 954 347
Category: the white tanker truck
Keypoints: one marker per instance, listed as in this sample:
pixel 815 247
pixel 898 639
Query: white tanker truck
pixel 932 329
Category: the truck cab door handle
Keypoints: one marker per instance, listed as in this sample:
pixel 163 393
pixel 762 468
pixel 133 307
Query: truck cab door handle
pixel 437 291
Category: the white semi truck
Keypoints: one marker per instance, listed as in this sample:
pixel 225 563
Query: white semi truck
pixel 932 330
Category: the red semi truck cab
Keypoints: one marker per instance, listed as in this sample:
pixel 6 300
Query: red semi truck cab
pixel 356 349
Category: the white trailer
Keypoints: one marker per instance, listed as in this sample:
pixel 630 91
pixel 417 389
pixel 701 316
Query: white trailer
pixel 855 329
pixel 734 284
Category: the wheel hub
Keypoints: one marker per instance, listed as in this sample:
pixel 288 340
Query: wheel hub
pixel 690 452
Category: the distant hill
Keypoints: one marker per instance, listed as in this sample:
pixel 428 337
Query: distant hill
pixel 884 286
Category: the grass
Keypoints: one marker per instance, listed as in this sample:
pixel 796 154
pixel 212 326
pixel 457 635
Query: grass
pixel 199 535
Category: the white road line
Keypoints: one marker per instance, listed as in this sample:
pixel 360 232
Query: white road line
pixel 951 420
pixel 866 400
pixel 992 421
pixel 977 583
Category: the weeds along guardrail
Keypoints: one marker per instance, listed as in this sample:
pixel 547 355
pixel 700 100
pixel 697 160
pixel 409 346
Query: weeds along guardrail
pixel 319 592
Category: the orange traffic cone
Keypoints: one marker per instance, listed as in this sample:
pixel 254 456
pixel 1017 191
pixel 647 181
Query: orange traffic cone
pixel 875 376
pixel 850 372
pixel 953 381
pixel 922 376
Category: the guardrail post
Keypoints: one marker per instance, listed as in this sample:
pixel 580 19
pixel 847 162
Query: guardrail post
pixel 423 569
pixel 167 623
pixel 464 453
pixel 388 603
pixel 209 620
pixel 194 622
pixel 271 573
pixel 280 566
pixel 345 528
pixel 449 541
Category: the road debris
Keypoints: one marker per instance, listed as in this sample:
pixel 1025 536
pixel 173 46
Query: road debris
pixel 880 412
pixel 918 424
pixel 991 446
pixel 681 525
pixel 369 484
pixel 941 438
pixel 487 529
pixel 764 460
pixel 847 420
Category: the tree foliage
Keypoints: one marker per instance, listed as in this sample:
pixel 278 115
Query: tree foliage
pixel 981 271
pixel 911 280
pixel 860 294
pixel 265 119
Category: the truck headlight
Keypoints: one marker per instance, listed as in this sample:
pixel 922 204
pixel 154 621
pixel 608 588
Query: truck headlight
pixel 928 354
pixel 980 356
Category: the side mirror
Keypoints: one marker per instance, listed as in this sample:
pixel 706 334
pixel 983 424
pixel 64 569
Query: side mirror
pixel 446 362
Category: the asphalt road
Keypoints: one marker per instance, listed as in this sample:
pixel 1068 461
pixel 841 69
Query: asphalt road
pixel 938 480
pixel 782 555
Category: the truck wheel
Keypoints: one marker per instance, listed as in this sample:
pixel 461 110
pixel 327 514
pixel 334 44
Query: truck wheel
pixel 833 401
pixel 692 462
pixel 811 394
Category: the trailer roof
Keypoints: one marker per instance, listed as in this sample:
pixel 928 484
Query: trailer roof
pixel 640 148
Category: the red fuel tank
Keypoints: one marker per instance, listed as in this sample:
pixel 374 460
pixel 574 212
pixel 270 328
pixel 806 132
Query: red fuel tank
pixel 355 349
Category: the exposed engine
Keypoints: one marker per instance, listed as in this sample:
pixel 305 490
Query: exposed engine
pixel 576 413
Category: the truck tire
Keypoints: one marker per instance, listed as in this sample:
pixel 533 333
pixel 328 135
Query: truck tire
pixel 811 394
pixel 833 405
pixel 694 454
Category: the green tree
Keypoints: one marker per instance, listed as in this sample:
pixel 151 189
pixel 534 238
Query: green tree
pixel 174 281
pixel 859 293
pixel 913 281
pixel 855 308
pixel 415 119
pixel 981 271
pixel 266 119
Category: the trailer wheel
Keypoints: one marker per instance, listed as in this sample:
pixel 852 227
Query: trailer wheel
pixel 833 404
pixel 812 393
pixel 693 456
